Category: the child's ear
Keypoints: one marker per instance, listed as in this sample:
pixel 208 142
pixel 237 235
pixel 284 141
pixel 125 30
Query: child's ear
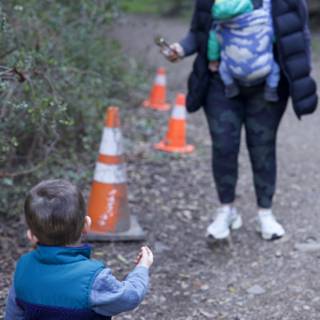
pixel 87 224
pixel 31 237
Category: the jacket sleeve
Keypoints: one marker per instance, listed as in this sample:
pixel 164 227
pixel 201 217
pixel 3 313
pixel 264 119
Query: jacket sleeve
pixel 110 297
pixel 189 42
pixel 213 47
pixel 13 311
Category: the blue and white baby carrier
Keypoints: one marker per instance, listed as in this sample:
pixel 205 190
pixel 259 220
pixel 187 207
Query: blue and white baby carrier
pixel 247 45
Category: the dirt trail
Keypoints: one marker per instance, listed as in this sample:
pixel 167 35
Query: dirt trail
pixel 174 198
pixel 192 281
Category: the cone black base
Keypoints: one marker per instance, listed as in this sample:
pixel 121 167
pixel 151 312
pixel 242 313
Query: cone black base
pixel 135 233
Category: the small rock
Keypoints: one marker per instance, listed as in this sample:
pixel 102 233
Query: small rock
pixel 256 290
pixel 206 314
pixel 187 214
pixel 122 259
pixel 184 275
pixel 184 285
pixel 232 289
pixel 307 247
pixel 278 254
pixel 311 239
pixel 204 287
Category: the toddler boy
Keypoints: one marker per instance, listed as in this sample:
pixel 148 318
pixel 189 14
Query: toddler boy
pixel 58 280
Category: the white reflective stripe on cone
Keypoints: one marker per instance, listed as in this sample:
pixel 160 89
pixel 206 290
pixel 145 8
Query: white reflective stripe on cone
pixel 110 173
pixel 161 80
pixel 109 213
pixel 111 143
pixel 178 113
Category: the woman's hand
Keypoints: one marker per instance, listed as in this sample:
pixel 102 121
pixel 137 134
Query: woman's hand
pixel 175 53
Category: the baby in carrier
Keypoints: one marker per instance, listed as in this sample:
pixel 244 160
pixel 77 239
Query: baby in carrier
pixel 241 46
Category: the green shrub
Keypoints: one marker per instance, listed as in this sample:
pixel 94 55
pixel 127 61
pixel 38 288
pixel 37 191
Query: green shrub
pixel 166 7
pixel 58 71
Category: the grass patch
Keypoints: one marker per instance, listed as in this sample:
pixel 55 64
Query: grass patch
pixel 177 8
pixel 140 6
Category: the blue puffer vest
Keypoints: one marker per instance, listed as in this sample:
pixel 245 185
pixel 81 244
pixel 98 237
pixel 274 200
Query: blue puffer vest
pixel 54 283
pixel 292 53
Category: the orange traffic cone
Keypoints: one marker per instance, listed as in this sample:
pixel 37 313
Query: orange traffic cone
pixel 158 94
pixel 108 201
pixel 175 140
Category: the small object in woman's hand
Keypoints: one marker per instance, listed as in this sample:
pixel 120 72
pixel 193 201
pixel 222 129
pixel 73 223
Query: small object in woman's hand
pixel 172 52
pixel 165 48
pixel 161 42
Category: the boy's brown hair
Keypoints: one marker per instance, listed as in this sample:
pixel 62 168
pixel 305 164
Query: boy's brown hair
pixel 55 212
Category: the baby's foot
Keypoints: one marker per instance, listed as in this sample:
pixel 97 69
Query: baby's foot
pixel 271 94
pixel 232 90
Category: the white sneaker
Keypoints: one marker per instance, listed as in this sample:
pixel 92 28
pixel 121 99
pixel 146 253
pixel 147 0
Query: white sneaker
pixel 227 218
pixel 268 226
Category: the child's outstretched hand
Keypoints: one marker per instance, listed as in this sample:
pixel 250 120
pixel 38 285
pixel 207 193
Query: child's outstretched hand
pixel 144 258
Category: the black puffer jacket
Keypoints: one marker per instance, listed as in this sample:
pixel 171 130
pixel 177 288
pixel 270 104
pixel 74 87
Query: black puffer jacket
pixel 292 51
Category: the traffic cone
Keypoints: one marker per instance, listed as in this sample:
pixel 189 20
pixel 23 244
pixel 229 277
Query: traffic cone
pixel 158 94
pixel 108 201
pixel 175 139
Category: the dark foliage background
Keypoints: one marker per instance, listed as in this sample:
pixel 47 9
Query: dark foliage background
pixel 59 69
pixel 58 72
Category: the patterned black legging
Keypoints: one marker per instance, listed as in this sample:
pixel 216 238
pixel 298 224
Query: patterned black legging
pixel 261 120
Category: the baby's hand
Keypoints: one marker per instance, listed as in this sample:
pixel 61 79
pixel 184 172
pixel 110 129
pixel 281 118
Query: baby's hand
pixel 214 66
pixel 144 258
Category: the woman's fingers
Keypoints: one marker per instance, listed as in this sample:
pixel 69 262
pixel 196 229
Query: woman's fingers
pixel 169 54
pixel 173 53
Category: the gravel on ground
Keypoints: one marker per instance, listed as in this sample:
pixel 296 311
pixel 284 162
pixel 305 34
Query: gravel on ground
pixel 174 198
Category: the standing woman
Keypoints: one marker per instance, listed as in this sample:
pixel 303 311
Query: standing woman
pixel 261 118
